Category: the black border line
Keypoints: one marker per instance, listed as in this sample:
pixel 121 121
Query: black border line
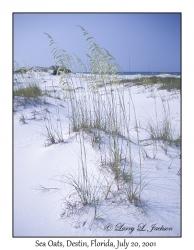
pixel 96 237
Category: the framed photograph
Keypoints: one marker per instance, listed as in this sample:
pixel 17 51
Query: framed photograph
pixel 97 125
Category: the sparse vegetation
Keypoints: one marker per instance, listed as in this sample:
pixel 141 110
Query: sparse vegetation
pixel 31 92
pixel 26 83
pixel 165 83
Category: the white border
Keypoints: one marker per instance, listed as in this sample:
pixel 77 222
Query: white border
pixel 7 7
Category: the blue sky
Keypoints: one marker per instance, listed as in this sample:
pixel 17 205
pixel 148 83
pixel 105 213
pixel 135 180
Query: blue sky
pixel 152 40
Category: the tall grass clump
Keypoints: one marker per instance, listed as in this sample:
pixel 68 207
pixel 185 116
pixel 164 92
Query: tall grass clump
pixel 160 127
pixel 104 72
pixel 53 132
pixel 88 186
pixel 96 107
